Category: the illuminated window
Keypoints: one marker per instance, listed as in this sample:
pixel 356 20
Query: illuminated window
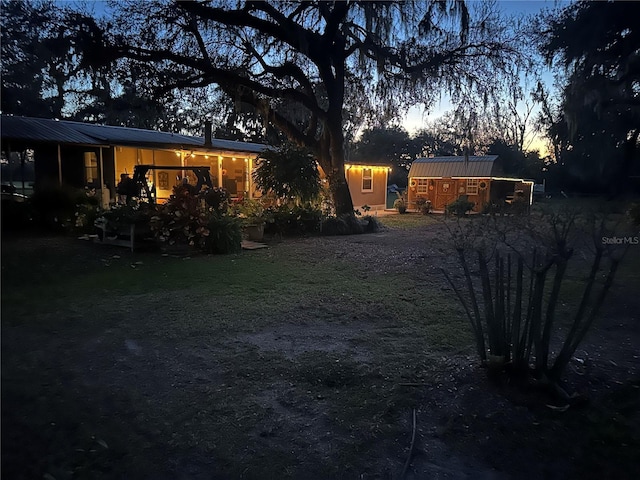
pixel 90 167
pixel 367 180
pixel 422 186
pixel 472 186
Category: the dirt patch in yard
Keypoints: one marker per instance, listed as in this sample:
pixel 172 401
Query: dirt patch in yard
pixel 183 378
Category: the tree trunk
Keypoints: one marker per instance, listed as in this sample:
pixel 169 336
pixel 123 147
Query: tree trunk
pixel 340 192
pixel 331 159
pixel 621 182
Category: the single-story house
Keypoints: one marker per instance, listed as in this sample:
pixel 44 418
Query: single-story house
pixel 88 155
pixel 81 154
pixel 442 180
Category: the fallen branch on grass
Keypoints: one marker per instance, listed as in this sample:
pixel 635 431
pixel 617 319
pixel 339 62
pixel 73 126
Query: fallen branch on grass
pixel 413 440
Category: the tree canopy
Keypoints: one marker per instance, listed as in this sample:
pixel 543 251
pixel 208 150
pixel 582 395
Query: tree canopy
pixel 598 44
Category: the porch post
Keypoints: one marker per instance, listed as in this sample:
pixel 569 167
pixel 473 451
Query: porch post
pixel 247 178
pixel 9 160
pixel 59 165
pixel 23 154
pixel 182 172
pixel 103 187
pixel 250 167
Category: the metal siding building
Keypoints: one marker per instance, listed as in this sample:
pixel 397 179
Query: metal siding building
pixel 443 167
pixel 479 179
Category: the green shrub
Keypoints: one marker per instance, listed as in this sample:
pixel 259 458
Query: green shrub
pixel 86 216
pixel 519 206
pixel 54 206
pixel 401 205
pixel 251 212
pixel 634 213
pixel 224 236
pixel 493 208
pixel 292 220
pixel 183 220
pixel 460 207
pixel 335 226
pixel 289 172
pixel 342 225
pixel 423 205
pixel 217 198
pixel 370 224
pixel 16 215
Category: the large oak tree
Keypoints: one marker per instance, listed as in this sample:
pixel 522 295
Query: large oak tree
pixel 598 44
pixel 315 59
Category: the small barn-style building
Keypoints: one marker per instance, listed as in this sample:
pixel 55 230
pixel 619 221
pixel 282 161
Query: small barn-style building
pixel 442 180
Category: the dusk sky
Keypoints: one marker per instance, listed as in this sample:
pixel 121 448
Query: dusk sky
pixel 416 117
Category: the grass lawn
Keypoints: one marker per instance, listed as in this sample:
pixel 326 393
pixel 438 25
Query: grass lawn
pixel 303 360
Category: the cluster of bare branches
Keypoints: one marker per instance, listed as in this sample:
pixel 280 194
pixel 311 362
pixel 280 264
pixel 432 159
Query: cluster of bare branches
pixel 514 269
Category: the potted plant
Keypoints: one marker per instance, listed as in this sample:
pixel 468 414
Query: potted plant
pixel 401 203
pixel 252 215
pixel 423 205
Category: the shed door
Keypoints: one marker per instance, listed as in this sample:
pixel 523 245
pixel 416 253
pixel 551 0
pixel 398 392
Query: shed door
pixel 446 192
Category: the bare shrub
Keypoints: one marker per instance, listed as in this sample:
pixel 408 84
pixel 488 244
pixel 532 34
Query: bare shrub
pixel 513 270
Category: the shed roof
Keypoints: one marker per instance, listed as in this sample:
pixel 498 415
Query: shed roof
pixel 475 166
pixel 67 132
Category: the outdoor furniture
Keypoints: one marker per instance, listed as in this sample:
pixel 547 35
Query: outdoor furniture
pixel 140 177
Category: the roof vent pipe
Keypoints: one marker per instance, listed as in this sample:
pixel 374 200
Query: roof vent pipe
pixel 207 133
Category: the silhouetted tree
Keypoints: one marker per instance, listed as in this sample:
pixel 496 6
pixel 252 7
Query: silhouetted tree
pixel 392 146
pixel 377 57
pixel 598 44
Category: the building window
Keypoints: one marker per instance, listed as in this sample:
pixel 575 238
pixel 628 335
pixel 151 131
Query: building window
pixel 472 186
pixel 422 186
pixel 90 167
pixel 367 180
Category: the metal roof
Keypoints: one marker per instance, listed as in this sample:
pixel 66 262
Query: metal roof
pixel 67 132
pixel 41 130
pixel 476 166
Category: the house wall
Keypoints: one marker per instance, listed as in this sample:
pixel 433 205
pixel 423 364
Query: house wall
pixel 377 197
pixel 443 191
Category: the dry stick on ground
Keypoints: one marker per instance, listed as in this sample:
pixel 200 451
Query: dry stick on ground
pixel 413 440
